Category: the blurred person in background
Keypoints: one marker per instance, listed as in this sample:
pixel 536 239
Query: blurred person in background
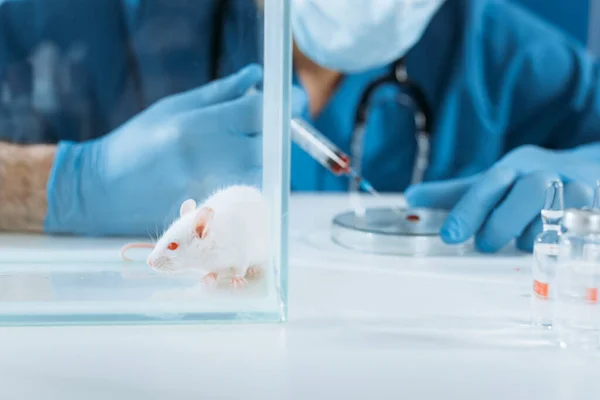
pixel 114 111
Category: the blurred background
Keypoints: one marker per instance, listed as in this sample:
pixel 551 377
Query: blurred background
pixel 571 16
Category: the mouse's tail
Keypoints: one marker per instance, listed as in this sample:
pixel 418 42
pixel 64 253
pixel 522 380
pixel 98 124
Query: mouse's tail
pixel 134 246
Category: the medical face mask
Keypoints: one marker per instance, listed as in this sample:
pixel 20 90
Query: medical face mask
pixel 357 35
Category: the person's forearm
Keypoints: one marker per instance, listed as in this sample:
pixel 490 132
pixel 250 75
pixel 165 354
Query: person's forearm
pixel 24 172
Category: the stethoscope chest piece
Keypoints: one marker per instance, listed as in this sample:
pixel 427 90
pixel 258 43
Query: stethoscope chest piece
pixel 392 231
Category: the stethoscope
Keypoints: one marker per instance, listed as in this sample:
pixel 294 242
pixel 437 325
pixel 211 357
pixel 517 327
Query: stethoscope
pixel 392 230
pixel 397 76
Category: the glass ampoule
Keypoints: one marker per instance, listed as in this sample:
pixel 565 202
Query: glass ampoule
pixel 545 256
pixel 596 201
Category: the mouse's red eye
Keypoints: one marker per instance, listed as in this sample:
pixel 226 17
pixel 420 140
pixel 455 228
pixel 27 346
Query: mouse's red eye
pixel 172 246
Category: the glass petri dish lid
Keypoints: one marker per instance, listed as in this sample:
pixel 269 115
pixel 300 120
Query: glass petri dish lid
pixel 394 231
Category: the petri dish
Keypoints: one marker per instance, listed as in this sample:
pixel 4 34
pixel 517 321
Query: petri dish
pixel 394 231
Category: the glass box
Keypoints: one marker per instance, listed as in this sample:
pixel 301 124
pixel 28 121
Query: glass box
pixel 145 85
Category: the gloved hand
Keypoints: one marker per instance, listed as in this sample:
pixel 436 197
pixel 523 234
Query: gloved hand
pixel 504 203
pixel 133 180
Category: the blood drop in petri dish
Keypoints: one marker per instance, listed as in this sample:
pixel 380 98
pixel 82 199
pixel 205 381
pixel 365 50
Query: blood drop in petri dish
pixel 413 218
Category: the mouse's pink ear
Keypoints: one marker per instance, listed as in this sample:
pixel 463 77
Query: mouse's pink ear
pixel 187 207
pixel 202 221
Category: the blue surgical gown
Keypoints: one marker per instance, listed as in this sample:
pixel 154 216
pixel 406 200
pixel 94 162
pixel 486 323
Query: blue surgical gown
pixel 495 76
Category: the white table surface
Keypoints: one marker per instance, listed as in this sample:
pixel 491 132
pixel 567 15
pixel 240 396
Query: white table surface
pixel 361 327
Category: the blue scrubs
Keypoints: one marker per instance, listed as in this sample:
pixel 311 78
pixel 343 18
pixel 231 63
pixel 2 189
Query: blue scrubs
pixel 119 55
pixel 495 76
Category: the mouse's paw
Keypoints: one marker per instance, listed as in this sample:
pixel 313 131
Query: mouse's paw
pixel 210 280
pixel 253 272
pixel 238 282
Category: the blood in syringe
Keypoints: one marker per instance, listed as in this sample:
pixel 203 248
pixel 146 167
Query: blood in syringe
pixel 336 167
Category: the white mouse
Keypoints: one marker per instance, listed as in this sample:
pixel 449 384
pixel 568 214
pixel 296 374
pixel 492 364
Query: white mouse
pixel 226 236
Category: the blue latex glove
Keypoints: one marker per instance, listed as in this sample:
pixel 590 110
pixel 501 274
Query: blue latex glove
pixel 504 203
pixel 133 180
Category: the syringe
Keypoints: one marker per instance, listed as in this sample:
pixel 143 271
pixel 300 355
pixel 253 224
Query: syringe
pixel 325 152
